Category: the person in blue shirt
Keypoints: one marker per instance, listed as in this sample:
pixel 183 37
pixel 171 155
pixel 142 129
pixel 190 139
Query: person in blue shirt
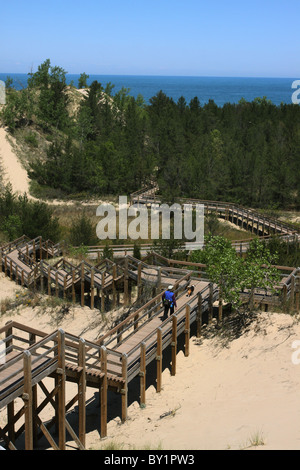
pixel 169 301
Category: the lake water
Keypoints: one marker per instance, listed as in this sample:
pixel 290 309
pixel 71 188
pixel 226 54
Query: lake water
pixel 220 89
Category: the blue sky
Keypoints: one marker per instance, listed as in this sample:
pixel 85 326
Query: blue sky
pixel 152 37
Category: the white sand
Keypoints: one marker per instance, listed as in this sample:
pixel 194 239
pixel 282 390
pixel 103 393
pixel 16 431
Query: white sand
pixel 13 171
pixel 221 397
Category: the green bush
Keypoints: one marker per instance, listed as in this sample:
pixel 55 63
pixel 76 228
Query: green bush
pixel 21 216
pixel 82 231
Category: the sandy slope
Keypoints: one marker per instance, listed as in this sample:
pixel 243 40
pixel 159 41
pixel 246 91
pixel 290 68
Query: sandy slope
pixel 221 397
pixel 13 170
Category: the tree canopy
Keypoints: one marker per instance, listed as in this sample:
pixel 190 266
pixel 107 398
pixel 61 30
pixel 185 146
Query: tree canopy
pixel 246 153
pixel 234 274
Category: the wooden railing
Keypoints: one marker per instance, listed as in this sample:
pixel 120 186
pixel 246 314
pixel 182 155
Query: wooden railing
pixel 229 211
pixel 22 352
pixel 171 328
pixel 143 314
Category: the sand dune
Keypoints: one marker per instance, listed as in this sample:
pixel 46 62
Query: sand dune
pixel 13 171
pixel 229 396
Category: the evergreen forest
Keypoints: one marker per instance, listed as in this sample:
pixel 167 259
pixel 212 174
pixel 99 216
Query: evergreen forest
pixel 112 143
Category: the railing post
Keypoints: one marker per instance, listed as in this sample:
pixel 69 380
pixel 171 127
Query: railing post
pixel 82 283
pixel 174 344
pixel 136 321
pixel 125 389
pixel 65 286
pixel 102 292
pixel 126 283
pixel 284 292
pixel 199 315
pixel 92 288
pixel 42 276
pixel 103 392
pixel 210 303
pixel 11 421
pixel 292 294
pixel 41 252
pixel 49 280
pixel 73 286
pixel 8 333
pixel 297 289
pixel 56 284
pixel 27 398
pixel 158 280
pixel 159 360
pixel 61 390
pixel 114 276
pixel 143 375
pixel 187 330
pixel 82 391
pixel 139 279
pixel 220 311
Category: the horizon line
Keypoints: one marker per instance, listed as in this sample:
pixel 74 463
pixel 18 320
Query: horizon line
pixel 158 75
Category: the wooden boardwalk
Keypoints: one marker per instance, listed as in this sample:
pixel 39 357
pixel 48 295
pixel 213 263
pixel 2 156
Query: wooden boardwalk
pixel 28 356
pixel 249 219
pixel 107 364
pixel 110 363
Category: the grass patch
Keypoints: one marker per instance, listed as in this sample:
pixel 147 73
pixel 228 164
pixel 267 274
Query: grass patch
pixel 256 439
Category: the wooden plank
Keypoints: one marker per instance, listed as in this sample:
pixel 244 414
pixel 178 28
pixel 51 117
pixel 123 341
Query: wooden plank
pixel 47 434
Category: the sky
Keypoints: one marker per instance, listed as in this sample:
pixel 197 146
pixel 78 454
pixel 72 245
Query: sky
pixel 227 38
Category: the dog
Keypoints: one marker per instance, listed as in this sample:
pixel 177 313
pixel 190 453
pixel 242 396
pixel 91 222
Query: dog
pixel 190 290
